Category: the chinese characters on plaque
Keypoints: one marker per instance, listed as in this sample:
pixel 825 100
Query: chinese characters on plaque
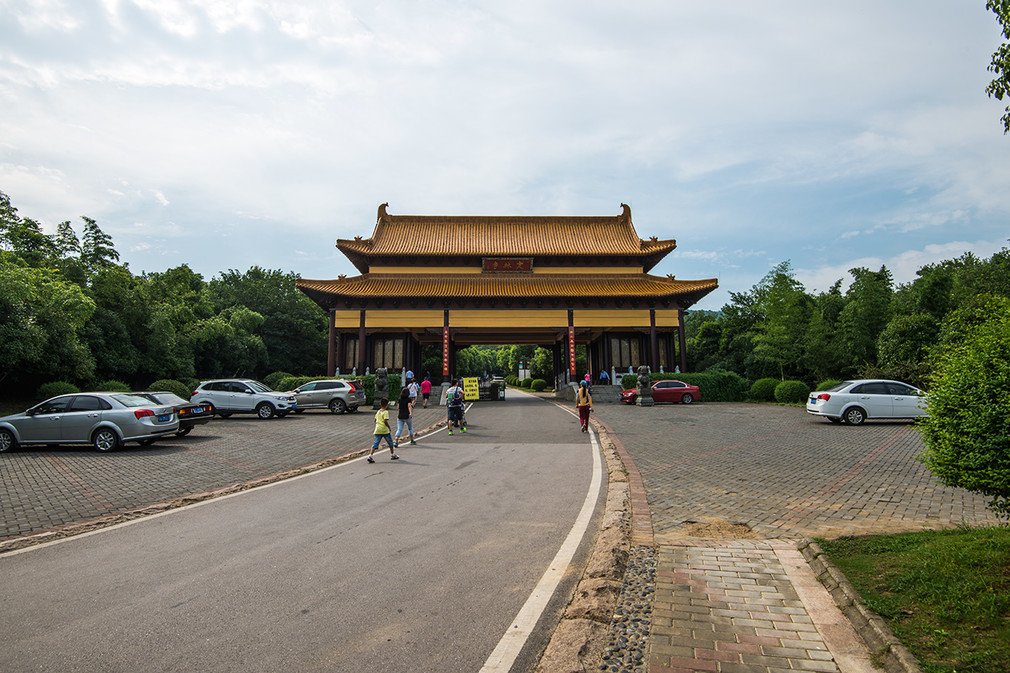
pixel 508 265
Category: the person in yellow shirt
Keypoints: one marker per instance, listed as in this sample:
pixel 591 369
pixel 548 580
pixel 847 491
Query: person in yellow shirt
pixel 382 431
pixel 584 402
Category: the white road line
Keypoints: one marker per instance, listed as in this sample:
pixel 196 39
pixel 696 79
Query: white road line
pixel 515 637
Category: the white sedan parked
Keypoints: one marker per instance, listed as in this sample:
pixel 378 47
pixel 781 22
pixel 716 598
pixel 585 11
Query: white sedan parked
pixel 856 401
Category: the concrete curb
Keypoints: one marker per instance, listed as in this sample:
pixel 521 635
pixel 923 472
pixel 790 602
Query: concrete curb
pixel 885 648
pixel 578 642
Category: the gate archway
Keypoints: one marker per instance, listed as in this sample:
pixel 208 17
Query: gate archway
pixel 551 281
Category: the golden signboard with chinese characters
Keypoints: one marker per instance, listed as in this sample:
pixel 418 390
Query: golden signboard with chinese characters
pixel 508 265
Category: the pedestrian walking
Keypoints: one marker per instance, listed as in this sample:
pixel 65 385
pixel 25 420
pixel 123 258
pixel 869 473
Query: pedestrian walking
pixel 454 400
pixel 413 387
pixel 382 431
pixel 404 417
pixel 426 389
pixel 584 403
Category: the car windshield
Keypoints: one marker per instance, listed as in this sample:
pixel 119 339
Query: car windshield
pixel 169 398
pixel 132 400
pixel 259 387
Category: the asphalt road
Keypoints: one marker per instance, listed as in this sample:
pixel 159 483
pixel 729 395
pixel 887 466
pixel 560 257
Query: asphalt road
pixel 417 564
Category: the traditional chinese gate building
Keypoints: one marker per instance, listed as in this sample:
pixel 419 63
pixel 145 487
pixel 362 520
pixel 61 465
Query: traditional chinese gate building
pixel 555 282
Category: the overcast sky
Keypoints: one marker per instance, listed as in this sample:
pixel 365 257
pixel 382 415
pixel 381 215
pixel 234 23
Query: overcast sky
pixel 253 132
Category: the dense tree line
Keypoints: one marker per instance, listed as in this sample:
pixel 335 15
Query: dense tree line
pixel 70 311
pixel 874 328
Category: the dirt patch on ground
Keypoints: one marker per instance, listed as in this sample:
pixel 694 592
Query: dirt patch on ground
pixel 716 529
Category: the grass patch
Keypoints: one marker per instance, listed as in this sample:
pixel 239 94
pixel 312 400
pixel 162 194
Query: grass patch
pixel 944 594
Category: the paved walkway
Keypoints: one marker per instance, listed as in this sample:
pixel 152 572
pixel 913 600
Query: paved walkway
pixel 764 477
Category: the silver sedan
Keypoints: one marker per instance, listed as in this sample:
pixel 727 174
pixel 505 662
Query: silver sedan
pixel 856 401
pixel 104 420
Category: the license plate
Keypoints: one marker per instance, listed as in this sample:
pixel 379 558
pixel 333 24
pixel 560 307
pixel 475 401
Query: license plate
pixel 164 419
pixel 197 410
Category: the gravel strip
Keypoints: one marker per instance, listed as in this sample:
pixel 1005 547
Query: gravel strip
pixel 628 648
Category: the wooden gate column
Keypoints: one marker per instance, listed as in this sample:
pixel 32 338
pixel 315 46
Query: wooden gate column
pixel 331 344
pixel 682 340
pixel 362 351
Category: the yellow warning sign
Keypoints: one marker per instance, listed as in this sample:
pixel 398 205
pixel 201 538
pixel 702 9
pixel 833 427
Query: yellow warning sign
pixel 470 389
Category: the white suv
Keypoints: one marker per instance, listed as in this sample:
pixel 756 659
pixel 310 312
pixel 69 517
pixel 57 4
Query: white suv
pixel 243 396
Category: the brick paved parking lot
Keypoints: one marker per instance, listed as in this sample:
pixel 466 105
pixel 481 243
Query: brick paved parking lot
pixel 782 472
pixel 45 488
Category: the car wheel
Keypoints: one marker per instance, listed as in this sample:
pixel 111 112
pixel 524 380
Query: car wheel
pixel 337 406
pixel 855 416
pixel 7 441
pixel 265 410
pixel 105 439
pixel 687 398
pixel 183 432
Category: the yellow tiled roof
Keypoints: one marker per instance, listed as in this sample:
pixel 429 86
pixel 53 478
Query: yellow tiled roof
pixel 500 285
pixel 502 236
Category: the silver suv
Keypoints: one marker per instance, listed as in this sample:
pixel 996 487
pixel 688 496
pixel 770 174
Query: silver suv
pixel 334 394
pixel 243 396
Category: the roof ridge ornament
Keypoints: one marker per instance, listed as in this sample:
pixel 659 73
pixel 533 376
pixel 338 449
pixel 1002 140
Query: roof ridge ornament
pixel 626 212
pixel 382 212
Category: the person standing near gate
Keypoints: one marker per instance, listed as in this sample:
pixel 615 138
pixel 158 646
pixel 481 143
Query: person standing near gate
pixel 426 389
pixel 454 401
pixel 584 403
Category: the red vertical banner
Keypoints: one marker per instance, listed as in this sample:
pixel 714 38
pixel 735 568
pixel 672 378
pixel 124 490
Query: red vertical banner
pixel 445 351
pixel 571 350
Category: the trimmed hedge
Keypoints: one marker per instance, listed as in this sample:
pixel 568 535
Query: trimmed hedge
pixel 789 392
pixel 171 385
pixel 54 388
pixel 716 385
pixel 629 381
pixel 763 390
pixel 113 386
pixel 538 384
pixel 273 380
pixel 527 382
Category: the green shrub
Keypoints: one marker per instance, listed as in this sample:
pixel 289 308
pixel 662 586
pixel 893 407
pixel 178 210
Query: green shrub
pixel 47 390
pixel 191 384
pixel 827 385
pixel 538 384
pixel 763 390
pixel 966 431
pixel 273 380
pixel 789 392
pixel 629 381
pixel 716 385
pixel 113 386
pixel 527 382
pixel 171 385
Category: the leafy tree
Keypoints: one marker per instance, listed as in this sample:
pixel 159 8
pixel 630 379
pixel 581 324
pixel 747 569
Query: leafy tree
pixel 866 313
pixel 823 353
pixel 786 309
pixel 40 317
pixel 1000 65
pixel 69 254
pixel 903 347
pixel 293 331
pixel 226 344
pixel 97 249
pixel 967 431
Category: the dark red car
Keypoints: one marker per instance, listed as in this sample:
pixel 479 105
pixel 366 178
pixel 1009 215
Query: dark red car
pixel 667 391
